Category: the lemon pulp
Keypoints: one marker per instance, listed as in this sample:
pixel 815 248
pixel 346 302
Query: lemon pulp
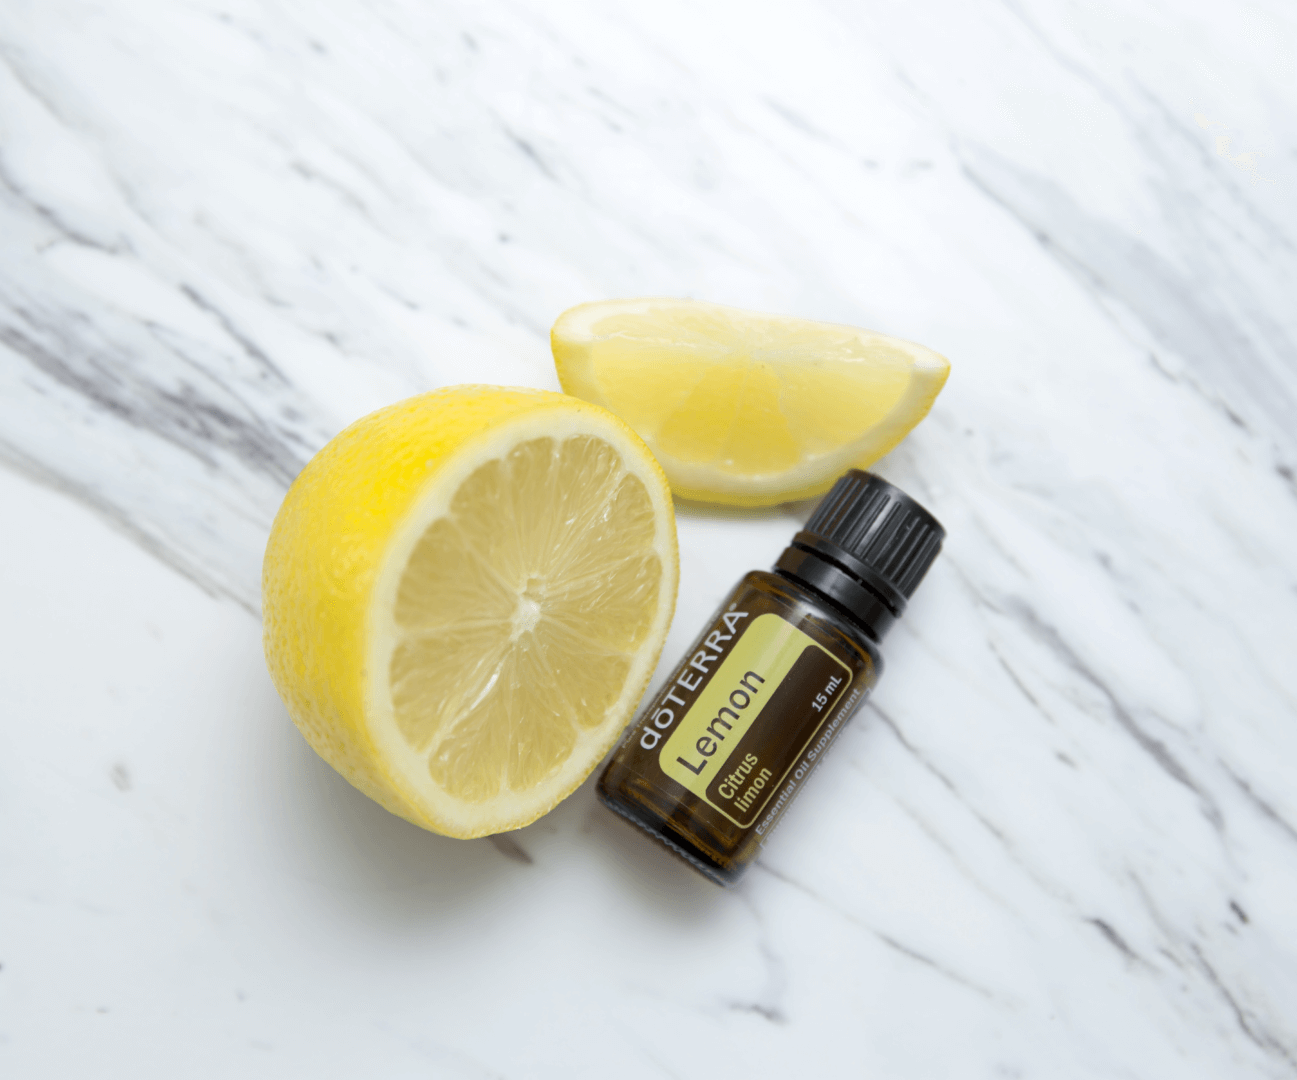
pixel 519 614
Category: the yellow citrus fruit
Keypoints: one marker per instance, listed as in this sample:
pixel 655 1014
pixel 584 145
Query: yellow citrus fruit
pixel 744 408
pixel 465 595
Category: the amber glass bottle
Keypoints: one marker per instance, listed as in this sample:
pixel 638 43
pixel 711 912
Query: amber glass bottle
pixel 725 746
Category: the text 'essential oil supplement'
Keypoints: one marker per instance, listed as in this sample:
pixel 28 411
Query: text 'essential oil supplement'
pixel 725 746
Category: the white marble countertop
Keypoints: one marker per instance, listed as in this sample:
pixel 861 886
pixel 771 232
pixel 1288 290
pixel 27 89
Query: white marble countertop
pixel 1062 839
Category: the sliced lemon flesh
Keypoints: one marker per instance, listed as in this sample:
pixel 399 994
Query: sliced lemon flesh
pixel 745 408
pixel 465 596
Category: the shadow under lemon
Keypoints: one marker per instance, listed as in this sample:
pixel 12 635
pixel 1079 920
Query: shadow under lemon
pixel 331 839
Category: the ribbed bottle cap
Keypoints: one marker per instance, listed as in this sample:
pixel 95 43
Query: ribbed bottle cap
pixel 876 533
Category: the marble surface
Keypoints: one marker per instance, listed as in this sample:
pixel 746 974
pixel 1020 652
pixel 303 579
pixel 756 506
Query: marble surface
pixel 1061 841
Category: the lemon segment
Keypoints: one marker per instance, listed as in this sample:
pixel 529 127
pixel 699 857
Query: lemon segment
pixel 740 407
pixel 465 595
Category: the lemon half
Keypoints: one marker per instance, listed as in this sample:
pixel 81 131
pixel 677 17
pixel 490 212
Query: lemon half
pixel 745 408
pixel 464 597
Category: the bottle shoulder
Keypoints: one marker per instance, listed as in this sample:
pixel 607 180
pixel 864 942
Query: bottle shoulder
pixel 817 616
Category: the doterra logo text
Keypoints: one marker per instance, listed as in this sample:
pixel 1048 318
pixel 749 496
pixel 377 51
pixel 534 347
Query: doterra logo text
pixel 688 680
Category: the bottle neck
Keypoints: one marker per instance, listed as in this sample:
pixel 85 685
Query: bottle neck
pixel 849 591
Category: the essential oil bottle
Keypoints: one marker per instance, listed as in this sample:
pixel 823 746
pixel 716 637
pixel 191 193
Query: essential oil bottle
pixel 725 746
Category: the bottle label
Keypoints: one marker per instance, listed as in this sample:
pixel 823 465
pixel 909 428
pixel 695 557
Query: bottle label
pixel 759 711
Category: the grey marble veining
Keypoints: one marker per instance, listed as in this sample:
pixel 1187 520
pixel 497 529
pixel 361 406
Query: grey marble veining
pixel 1061 840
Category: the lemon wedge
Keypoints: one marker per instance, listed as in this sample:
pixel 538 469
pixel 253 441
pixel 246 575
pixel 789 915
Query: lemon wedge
pixel 464 597
pixel 745 408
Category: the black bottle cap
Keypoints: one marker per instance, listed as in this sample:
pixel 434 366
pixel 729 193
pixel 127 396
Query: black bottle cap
pixel 866 547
